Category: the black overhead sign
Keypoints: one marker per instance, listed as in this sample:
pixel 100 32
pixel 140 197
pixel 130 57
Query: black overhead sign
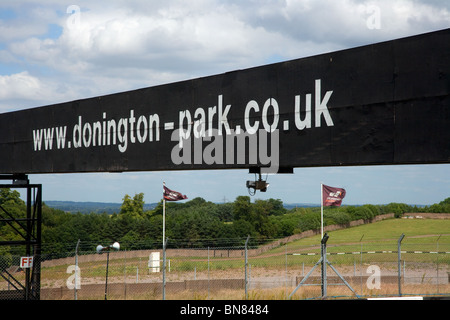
pixel 381 104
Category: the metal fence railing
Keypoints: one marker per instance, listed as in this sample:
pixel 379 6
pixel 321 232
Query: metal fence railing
pixel 246 270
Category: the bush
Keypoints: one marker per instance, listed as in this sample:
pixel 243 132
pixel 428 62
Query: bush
pixel 375 211
pixel 309 221
pixel 361 213
pixel 336 217
pixel 397 209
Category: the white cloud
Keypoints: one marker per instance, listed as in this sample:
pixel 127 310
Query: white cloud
pixel 174 40
pixel 20 84
pixel 29 20
pixel 168 39
pixel 22 89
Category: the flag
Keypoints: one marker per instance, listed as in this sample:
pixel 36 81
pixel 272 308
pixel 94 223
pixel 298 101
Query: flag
pixel 171 195
pixel 332 196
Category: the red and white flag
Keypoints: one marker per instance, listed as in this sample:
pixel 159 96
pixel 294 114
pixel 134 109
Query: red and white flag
pixel 332 196
pixel 171 195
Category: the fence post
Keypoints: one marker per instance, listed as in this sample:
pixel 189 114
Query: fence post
pixel 208 272
pixel 361 264
pixel 76 271
pixel 399 264
pixel 437 262
pixel 246 267
pixel 286 269
pixel 323 253
pixel 125 275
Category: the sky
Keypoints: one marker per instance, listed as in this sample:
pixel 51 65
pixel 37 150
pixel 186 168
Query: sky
pixel 53 51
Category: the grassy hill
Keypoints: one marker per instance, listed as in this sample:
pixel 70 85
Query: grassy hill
pixel 432 232
pixel 392 229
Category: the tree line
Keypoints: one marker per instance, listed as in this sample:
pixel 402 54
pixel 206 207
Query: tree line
pixel 193 223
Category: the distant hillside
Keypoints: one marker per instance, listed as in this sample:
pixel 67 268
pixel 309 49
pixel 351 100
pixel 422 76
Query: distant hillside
pixel 88 207
pixel 289 206
pixel 110 208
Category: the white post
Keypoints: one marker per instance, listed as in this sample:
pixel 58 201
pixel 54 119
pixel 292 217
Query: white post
pixel 321 210
pixel 164 247
pixel 164 216
pixel 164 220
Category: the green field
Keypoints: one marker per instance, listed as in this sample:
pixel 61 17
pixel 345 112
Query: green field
pixel 415 230
pixel 420 234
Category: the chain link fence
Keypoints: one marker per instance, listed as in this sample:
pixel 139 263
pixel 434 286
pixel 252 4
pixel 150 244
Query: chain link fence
pixel 244 270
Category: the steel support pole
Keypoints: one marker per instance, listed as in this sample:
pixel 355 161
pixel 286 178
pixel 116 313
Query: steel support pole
pixel 29 234
pixel 246 267
pixel 323 250
pixel 28 285
pixel 399 264
pixel 76 271
pixel 305 278
pixel 106 282
pixel 164 270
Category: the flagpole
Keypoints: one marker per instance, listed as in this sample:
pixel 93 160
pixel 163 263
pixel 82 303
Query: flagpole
pixel 321 210
pixel 164 245
pixel 170 195
pixel 164 218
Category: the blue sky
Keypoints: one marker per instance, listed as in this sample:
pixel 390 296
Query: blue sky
pixel 52 52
